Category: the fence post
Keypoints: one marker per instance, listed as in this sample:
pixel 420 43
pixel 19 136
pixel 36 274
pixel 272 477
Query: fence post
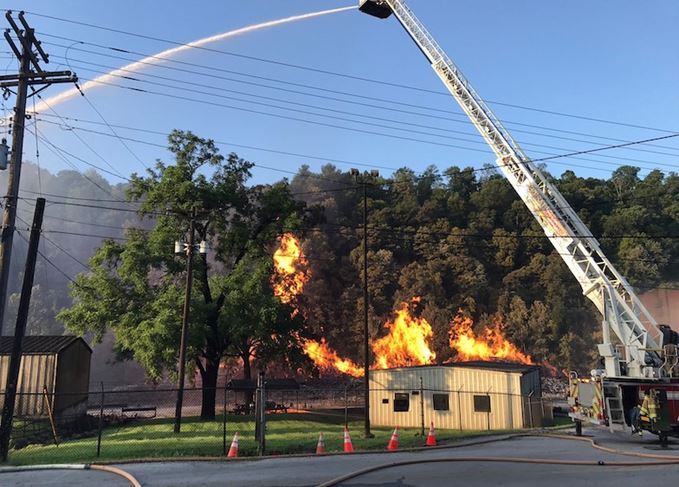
pixel 260 415
pixel 421 407
pixel 530 408
pixel 459 410
pixel 224 422
pixel 101 420
pixel 50 414
pixel 346 408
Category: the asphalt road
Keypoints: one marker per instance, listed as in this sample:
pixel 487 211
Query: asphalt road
pixel 310 471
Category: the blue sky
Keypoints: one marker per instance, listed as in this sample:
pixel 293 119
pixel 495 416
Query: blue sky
pixel 610 59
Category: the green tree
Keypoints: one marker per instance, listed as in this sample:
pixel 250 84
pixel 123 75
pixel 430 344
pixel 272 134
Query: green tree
pixel 261 327
pixel 136 287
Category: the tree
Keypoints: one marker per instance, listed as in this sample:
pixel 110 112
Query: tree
pixel 261 327
pixel 136 288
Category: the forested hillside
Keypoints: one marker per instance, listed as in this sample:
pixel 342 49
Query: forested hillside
pixel 459 238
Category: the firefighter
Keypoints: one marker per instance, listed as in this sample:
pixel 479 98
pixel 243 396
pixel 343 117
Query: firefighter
pixel 649 408
pixel 635 416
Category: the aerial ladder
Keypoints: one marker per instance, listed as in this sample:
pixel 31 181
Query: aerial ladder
pixel 638 354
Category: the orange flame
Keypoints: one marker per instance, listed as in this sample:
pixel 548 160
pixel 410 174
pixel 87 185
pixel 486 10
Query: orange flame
pixel 491 346
pixel 290 269
pixel 407 342
pixel 327 359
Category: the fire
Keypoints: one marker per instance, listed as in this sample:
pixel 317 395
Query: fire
pixel 290 269
pixel 407 342
pixel 491 346
pixel 328 360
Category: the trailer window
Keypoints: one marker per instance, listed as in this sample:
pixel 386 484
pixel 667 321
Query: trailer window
pixel 401 402
pixel 482 404
pixel 441 402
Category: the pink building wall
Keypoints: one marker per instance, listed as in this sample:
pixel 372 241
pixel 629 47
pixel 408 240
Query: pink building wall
pixel 663 304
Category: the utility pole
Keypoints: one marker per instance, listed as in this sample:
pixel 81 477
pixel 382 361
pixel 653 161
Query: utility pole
pixel 185 320
pixel 20 329
pixel 30 74
pixel 366 336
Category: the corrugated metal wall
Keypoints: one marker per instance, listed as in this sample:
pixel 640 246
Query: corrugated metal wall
pixel 508 406
pixel 36 371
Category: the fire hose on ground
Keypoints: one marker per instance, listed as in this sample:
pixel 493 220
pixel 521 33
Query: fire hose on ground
pixel 662 460
pixel 76 466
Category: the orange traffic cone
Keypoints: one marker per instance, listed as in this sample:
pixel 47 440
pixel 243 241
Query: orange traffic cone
pixel 431 437
pixel 320 447
pixel 393 442
pixel 348 447
pixel 233 451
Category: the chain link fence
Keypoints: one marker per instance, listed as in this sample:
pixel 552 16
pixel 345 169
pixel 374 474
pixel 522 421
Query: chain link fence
pixel 131 423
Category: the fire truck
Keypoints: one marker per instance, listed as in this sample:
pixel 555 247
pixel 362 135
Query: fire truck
pixel 639 357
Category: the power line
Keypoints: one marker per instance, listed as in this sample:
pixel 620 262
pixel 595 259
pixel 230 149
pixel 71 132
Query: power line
pixel 551 158
pixel 57 246
pixel 89 235
pixel 353 129
pixel 223 143
pixel 58 152
pixel 392 229
pixel 115 172
pixel 37 160
pixel 473 138
pixel 319 191
pixel 337 74
pixel 83 265
pixel 464 119
pixel 49 261
pixel 124 144
pixel 307 156
pixel 75 222
pixel 78 198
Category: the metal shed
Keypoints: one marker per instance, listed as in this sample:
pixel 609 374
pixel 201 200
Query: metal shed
pixel 59 363
pixel 463 395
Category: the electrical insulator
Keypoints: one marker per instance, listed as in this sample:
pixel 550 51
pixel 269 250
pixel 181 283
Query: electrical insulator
pixel 4 151
pixel 202 248
pixel 178 247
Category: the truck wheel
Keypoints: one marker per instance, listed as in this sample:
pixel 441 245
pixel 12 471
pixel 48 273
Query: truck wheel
pixel 578 427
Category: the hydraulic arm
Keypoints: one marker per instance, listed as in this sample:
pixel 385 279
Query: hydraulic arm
pixel 638 351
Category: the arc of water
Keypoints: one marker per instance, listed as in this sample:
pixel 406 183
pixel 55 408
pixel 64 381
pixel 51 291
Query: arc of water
pixel 156 58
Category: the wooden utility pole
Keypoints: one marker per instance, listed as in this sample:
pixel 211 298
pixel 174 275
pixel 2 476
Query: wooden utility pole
pixel 30 74
pixel 20 328
pixel 185 322
pixel 363 180
pixel 366 335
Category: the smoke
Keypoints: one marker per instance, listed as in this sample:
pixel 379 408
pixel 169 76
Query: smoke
pixel 157 58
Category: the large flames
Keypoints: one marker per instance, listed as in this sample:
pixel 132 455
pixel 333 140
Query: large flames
pixel 489 345
pixel 327 359
pixel 408 339
pixel 290 266
pixel 407 342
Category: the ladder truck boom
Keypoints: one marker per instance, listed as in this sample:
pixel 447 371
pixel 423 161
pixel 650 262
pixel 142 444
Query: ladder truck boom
pixel 623 313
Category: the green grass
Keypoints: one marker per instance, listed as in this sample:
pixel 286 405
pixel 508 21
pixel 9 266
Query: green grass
pixel 286 433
